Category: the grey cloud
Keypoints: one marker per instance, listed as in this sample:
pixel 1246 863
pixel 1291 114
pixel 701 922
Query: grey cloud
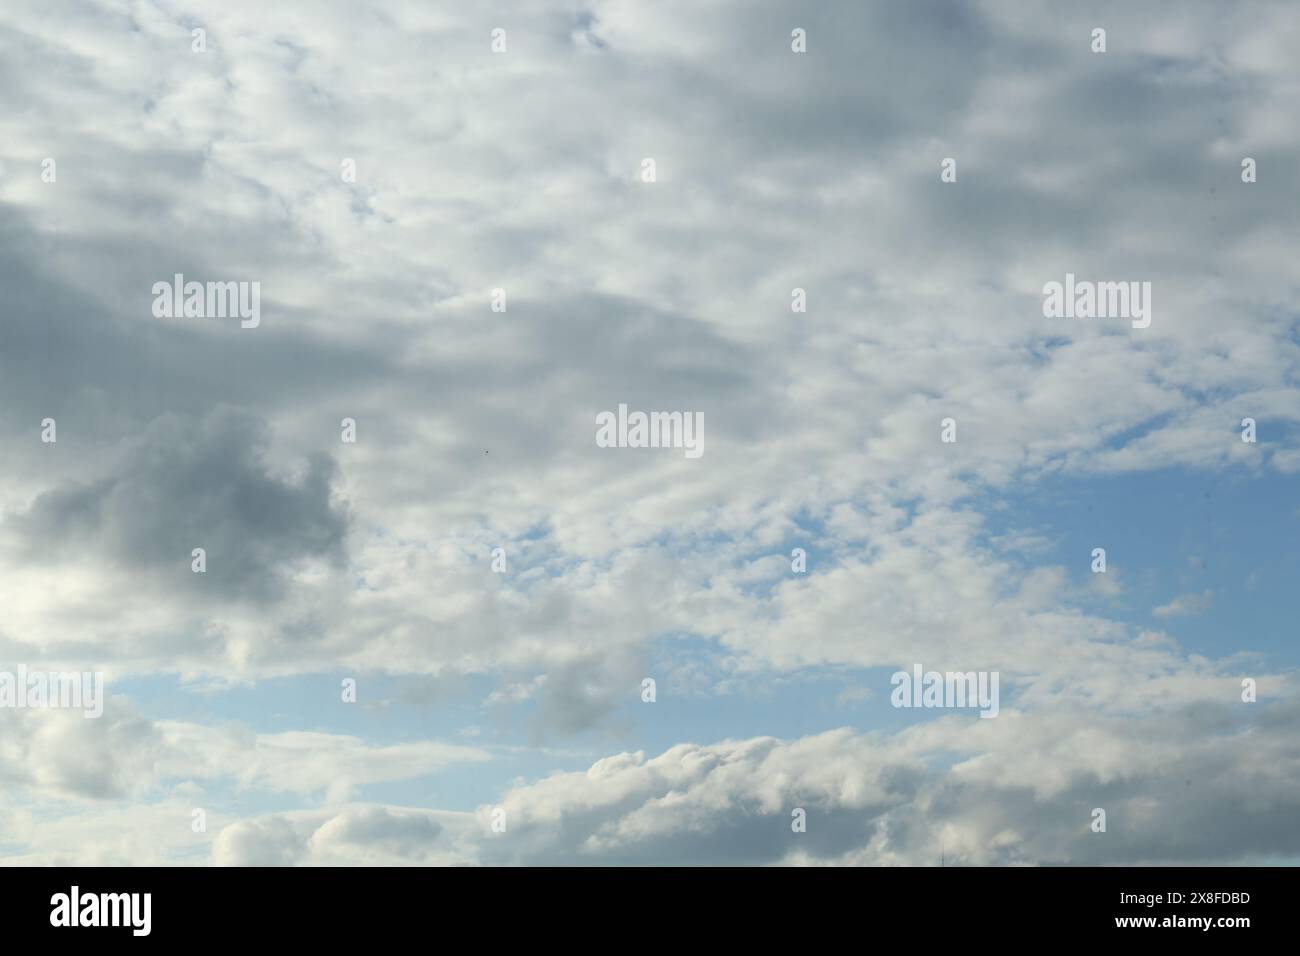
pixel 194 484
pixel 62 752
pixel 875 800
pixel 1006 799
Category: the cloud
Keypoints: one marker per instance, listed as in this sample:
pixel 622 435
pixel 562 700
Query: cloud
pixel 996 792
pixel 1185 605
pixel 269 842
pixel 376 307
pixel 122 754
pixel 777 171
pixel 64 753
pixel 191 484
pixel 362 835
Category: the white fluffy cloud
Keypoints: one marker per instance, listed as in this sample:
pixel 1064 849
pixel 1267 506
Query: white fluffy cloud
pixel 1007 791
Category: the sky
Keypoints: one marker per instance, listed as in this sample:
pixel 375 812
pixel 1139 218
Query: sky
pixel 460 247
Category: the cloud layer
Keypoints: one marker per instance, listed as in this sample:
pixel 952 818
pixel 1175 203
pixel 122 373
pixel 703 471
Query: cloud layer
pixel 521 171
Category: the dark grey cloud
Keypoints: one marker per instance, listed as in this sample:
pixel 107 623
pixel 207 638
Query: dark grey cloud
pixel 194 483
